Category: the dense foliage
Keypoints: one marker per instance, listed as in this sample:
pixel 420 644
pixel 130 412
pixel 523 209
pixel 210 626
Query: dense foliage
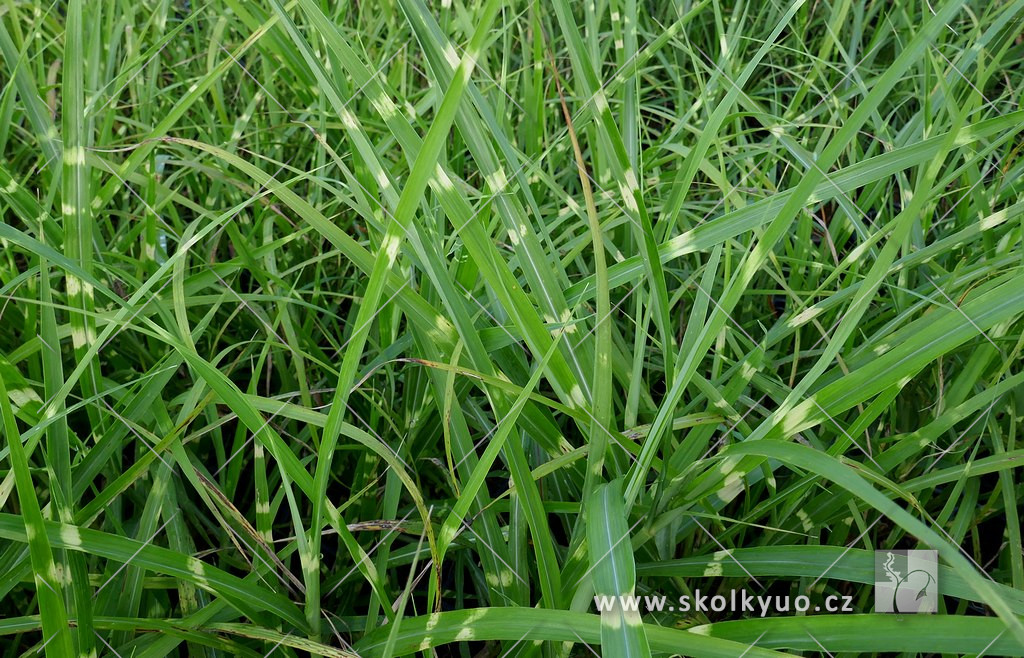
pixel 385 329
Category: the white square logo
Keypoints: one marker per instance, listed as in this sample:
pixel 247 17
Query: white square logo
pixel 906 581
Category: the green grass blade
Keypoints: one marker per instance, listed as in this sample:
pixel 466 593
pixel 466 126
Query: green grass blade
pixel 49 582
pixel 613 571
pixel 422 633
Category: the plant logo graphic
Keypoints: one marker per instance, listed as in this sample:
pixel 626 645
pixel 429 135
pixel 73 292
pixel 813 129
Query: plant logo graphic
pixel 906 581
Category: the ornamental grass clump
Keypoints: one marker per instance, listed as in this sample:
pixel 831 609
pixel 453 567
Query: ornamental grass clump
pixel 511 329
